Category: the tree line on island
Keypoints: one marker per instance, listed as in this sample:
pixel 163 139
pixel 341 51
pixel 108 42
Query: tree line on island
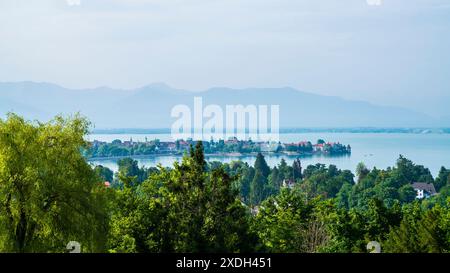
pixel 50 195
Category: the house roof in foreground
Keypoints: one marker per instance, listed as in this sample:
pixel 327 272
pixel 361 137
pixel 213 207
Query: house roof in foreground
pixel 428 187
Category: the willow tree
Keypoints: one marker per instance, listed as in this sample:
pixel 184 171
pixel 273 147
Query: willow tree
pixel 49 194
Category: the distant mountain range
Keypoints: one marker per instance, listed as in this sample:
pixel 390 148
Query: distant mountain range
pixel 150 106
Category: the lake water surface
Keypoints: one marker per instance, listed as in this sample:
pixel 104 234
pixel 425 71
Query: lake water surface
pixel 379 150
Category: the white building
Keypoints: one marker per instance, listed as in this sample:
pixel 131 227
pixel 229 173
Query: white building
pixel 424 190
pixel 288 183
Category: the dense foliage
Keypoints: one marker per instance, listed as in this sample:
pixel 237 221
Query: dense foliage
pixel 50 195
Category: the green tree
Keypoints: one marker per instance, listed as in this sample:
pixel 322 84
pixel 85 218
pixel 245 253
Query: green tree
pixel 258 188
pixel 361 171
pixel 128 167
pixel 313 169
pixel 297 170
pixel 288 223
pixel 343 196
pixel 420 231
pixel 261 166
pixel 274 182
pixel 184 209
pixel 284 171
pixel 281 222
pixel 442 179
pixel 127 232
pixel 104 173
pixel 407 194
pixel 408 172
pixel 49 194
pixel 198 156
pixel 380 218
pixel 245 180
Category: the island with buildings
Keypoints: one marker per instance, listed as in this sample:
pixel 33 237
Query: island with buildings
pixel 230 147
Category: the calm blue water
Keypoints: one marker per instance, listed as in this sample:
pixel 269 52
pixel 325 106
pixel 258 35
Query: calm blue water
pixel 375 150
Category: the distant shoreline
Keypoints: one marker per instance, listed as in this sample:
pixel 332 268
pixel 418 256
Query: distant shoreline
pixel 380 130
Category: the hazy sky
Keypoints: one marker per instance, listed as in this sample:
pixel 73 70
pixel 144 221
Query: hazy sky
pixel 397 53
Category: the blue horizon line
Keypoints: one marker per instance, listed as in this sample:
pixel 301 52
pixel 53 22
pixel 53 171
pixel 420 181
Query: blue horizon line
pixel 284 130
